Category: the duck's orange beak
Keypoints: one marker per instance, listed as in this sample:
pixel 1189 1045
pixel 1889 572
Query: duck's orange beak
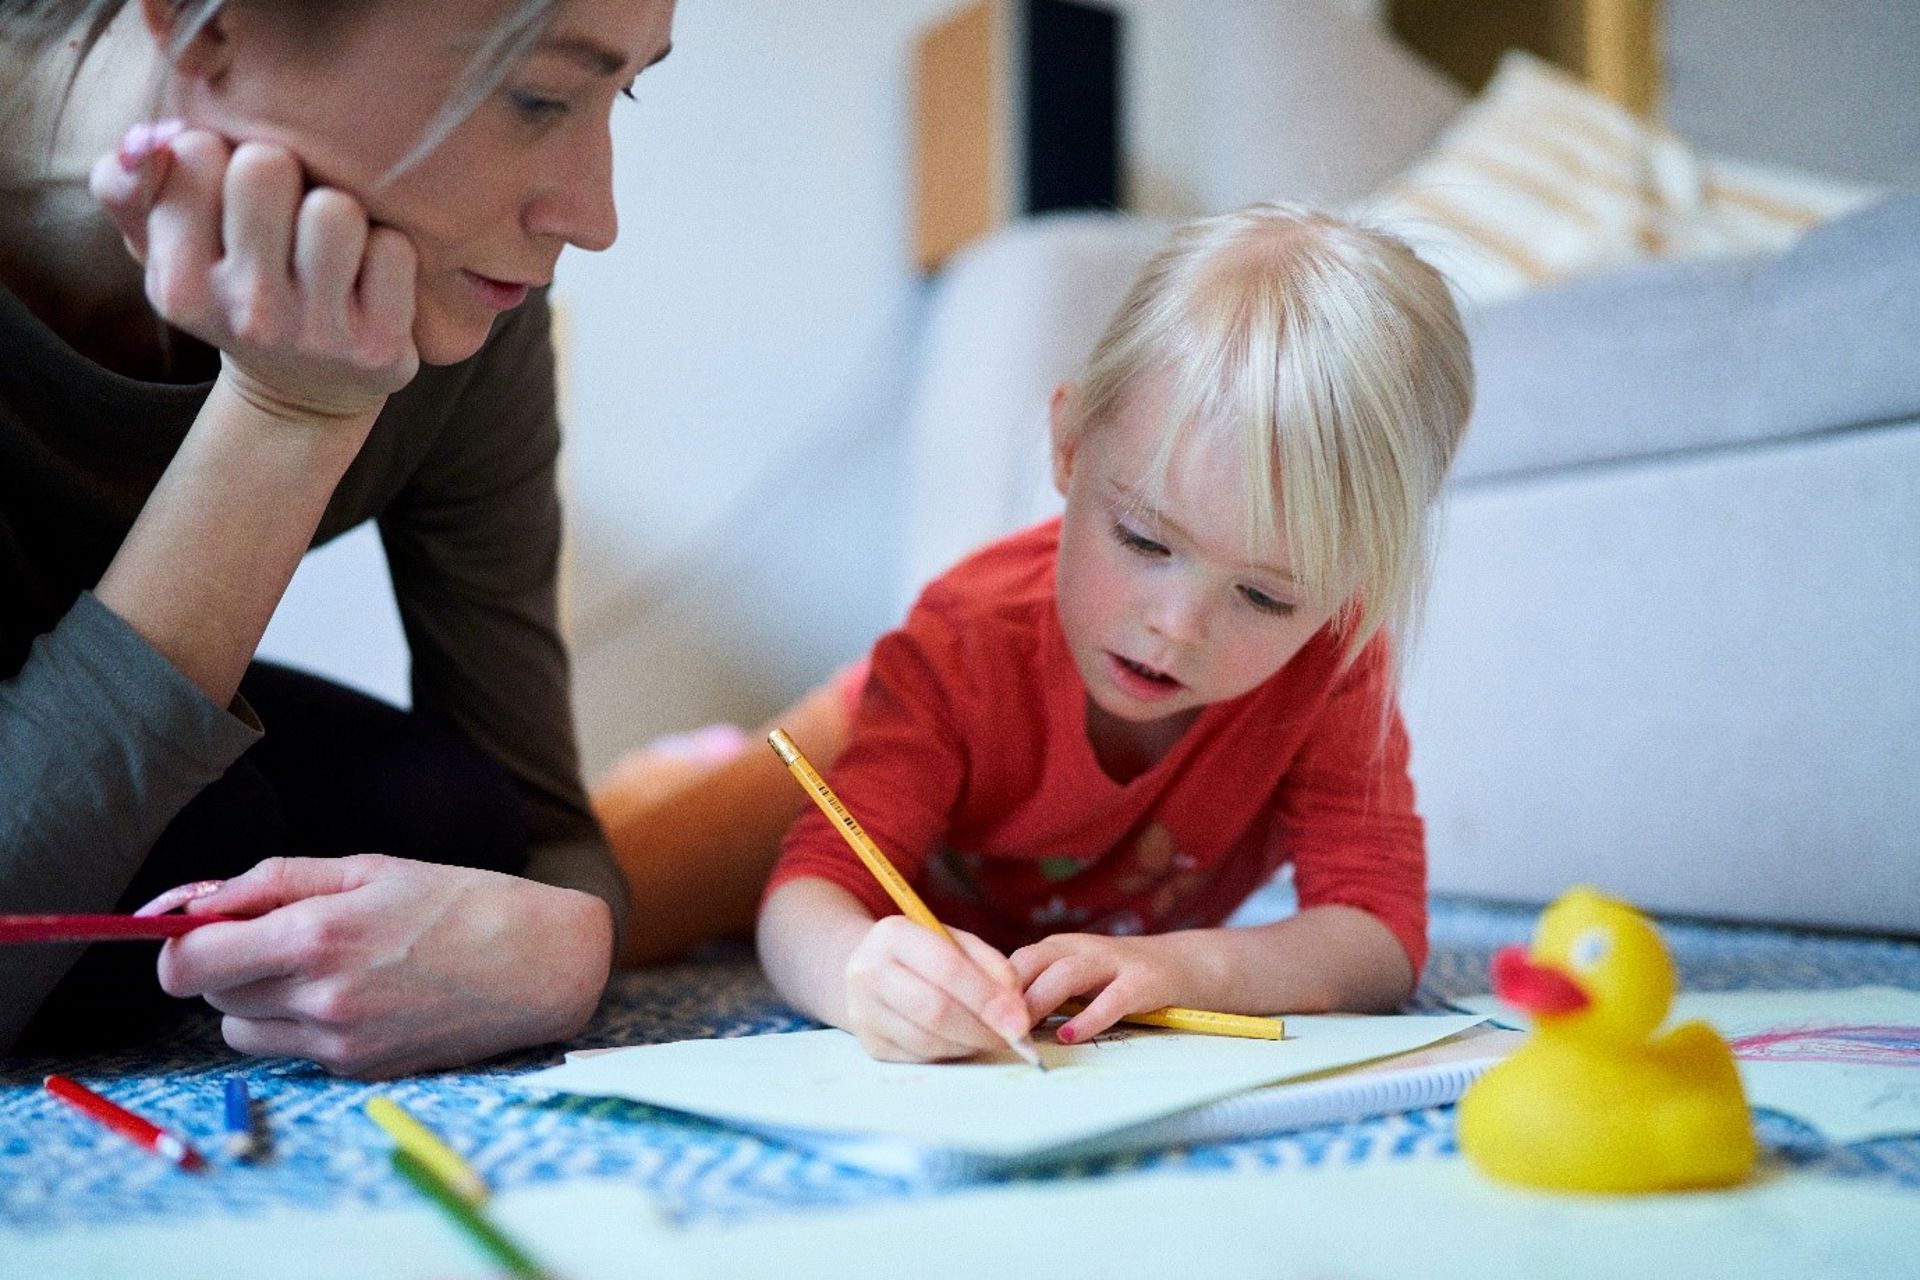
pixel 1535 988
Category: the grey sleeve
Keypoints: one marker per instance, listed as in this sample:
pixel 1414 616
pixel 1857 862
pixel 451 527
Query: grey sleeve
pixel 102 742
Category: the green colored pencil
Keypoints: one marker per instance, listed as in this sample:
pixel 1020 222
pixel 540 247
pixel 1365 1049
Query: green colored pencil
pixel 469 1219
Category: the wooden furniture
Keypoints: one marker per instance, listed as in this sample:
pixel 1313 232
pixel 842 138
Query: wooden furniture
pixel 1017 111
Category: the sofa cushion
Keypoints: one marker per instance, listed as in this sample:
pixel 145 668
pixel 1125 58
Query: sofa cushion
pixel 1542 179
pixel 1673 357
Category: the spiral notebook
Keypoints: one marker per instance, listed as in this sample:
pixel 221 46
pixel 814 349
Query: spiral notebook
pixel 1128 1089
pixel 1431 1077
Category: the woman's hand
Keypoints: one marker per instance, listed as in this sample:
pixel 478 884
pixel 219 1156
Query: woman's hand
pixel 375 966
pixel 912 996
pixel 310 304
pixel 1117 976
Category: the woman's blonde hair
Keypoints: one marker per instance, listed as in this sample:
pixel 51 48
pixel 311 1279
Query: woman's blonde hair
pixel 1339 357
pixel 34 27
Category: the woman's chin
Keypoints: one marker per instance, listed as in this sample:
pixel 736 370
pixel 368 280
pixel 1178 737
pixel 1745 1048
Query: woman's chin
pixel 445 340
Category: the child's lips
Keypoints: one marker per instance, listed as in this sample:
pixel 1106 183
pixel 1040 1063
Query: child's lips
pixel 1140 681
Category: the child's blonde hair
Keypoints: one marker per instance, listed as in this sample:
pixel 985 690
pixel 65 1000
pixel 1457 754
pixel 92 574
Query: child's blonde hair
pixel 1340 357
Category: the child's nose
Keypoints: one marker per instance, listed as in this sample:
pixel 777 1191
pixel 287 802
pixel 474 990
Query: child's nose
pixel 1178 616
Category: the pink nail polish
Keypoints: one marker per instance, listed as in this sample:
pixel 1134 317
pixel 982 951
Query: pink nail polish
pixel 180 896
pixel 1067 1034
pixel 136 146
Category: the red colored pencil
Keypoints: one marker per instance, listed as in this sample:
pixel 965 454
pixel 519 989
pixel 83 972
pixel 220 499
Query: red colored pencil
pixel 100 928
pixel 124 1122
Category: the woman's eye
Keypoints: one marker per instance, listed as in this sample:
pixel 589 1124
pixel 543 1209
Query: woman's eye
pixel 1138 542
pixel 539 109
pixel 1265 603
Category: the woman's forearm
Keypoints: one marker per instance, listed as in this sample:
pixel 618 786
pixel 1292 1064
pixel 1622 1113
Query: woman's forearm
pixel 806 932
pixel 211 553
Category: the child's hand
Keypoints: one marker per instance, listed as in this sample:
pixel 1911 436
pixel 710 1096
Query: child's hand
pixel 914 997
pixel 1117 976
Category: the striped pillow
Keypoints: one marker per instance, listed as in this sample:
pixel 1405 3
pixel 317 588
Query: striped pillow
pixel 1540 178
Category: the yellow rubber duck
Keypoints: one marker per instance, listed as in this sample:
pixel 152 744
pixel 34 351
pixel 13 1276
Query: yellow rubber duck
pixel 1593 1100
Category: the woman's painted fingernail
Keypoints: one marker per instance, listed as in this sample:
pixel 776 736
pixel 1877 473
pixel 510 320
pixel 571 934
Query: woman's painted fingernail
pixel 145 138
pixel 180 896
pixel 1067 1034
pixel 136 146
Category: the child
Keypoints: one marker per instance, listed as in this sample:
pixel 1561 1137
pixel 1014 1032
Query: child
pixel 1091 741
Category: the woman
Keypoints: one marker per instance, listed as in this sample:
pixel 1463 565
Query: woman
pixel 332 310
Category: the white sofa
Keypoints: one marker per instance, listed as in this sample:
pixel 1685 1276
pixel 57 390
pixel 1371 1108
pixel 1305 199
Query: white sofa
pixel 1673 647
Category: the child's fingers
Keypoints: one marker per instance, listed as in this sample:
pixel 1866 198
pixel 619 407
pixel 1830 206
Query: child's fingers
pixel 1071 974
pixel 1030 961
pixel 1101 1013
pixel 936 1012
pixel 992 1000
pixel 892 1024
pixel 1009 1008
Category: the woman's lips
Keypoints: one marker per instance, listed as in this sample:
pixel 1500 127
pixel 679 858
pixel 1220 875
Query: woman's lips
pixel 501 295
pixel 1139 681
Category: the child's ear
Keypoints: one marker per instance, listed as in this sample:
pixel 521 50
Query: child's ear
pixel 208 50
pixel 1063 413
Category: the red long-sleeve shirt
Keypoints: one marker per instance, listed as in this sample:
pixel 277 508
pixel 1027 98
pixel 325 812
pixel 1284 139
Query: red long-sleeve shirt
pixel 969 764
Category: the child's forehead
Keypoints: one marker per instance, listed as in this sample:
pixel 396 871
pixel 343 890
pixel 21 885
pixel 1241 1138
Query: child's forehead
pixel 1203 506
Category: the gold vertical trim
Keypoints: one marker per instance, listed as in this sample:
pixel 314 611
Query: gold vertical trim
pixel 1623 53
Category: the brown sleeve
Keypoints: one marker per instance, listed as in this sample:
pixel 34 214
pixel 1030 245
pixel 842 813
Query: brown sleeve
pixel 473 544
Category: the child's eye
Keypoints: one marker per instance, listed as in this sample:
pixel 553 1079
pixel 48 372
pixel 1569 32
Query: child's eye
pixel 1265 603
pixel 626 91
pixel 1138 542
pixel 539 109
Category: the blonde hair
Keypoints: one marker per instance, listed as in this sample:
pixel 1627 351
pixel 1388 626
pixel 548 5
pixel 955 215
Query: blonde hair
pixel 33 27
pixel 1339 357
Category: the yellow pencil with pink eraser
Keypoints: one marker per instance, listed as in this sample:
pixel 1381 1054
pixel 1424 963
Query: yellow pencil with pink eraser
pixel 1202 1021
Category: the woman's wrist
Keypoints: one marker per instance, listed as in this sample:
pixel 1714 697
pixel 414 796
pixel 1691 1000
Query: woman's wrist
pixel 316 434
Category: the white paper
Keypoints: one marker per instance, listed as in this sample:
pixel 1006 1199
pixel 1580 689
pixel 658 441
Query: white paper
pixel 823 1081
pixel 1436 1219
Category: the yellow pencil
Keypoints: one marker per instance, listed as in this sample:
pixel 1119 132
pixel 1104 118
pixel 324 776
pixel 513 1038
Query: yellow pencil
pixel 1204 1021
pixel 419 1142
pixel 869 853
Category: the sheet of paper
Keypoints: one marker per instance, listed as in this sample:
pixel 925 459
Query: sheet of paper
pixel 582 1231
pixel 1436 1219
pixel 824 1081
pixel 1847 1061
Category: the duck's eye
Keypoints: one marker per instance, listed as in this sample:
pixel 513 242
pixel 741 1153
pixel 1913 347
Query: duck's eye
pixel 1589 949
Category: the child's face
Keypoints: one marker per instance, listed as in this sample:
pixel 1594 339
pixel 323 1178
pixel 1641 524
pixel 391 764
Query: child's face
pixel 1163 609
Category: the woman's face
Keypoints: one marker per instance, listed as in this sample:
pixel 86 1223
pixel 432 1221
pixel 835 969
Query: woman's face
pixel 526 173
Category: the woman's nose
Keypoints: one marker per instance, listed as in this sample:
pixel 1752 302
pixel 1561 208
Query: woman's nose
pixel 578 208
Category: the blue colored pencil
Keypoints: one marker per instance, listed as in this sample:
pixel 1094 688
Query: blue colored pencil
pixel 242 1142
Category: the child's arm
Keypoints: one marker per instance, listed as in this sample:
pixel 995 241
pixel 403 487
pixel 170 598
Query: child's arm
pixel 1324 958
pixel 905 992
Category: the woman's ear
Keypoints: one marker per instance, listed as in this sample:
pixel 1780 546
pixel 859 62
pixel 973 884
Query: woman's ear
pixel 1063 413
pixel 207 47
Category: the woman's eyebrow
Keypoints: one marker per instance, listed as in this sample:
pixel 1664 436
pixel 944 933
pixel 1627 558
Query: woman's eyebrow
pixel 593 55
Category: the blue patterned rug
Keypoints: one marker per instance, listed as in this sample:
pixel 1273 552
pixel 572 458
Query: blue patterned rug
pixel 59 1170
